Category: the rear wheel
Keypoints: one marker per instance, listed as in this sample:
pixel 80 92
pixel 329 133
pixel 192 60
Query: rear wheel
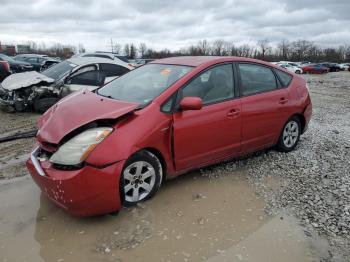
pixel 141 178
pixel 290 135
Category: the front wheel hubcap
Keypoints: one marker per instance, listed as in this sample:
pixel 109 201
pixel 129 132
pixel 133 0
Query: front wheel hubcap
pixel 290 134
pixel 139 180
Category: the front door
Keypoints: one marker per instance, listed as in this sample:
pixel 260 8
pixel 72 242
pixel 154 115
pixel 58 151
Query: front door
pixel 213 132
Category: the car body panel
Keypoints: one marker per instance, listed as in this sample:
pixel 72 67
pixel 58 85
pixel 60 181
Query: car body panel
pixel 181 140
pixel 26 79
pixel 263 116
pixel 77 191
pixel 315 69
pixel 71 113
pixel 194 129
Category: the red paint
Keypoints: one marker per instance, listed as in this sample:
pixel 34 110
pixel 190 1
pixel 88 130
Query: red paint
pixel 312 69
pixel 200 137
pixel 191 103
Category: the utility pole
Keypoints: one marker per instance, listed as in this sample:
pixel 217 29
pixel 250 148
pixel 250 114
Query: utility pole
pixel 112 44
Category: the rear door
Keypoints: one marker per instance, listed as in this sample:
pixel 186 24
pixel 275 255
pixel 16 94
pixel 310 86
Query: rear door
pixel 265 106
pixel 214 132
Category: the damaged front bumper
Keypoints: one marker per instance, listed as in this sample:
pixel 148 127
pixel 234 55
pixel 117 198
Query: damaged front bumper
pixel 8 104
pixel 5 102
pixel 88 191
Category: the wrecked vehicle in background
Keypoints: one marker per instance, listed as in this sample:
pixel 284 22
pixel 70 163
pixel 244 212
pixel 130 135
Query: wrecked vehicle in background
pixel 39 91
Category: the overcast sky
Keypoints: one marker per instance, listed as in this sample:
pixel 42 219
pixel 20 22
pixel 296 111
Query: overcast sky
pixel 173 24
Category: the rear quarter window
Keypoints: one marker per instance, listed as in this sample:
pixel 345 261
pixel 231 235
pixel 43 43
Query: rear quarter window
pixel 284 78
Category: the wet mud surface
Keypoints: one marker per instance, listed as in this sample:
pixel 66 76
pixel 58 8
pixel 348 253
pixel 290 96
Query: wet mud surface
pixel 192 218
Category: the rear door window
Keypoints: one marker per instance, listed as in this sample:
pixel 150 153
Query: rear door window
pixel 256 79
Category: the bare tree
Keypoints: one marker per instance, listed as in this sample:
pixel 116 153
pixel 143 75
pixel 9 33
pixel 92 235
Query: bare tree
pixel 300 49
pixel 204 47
pixel 127 50
pixel 117 48
pixel 142 49
pixel 264 45
pixel 132 54
pixel 81 48
pixel 284 48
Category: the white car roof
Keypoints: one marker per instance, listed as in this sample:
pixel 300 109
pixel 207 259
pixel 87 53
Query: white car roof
pixel 112 56
pixel 96 60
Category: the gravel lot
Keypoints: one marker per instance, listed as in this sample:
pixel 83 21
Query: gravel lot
pixel 311 183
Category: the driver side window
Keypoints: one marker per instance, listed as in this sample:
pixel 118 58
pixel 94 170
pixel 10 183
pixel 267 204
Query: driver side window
pixel 213 85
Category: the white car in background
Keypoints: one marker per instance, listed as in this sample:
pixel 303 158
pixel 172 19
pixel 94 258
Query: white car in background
pixel 291 67
pixel 344 67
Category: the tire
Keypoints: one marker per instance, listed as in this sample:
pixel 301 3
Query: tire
pixel 298 72
pixel 42 104
pixel 141 178
pixel 290 135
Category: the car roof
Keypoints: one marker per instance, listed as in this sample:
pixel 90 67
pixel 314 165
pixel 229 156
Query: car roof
pixel 80 61
pixel 200 60
pixel 33 55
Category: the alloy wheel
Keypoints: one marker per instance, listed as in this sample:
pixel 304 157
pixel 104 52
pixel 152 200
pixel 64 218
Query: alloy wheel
pixel 290 134
pixel 139 181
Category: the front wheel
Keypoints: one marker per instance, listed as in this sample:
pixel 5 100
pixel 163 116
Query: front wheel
pixel 290 135
pixel 141 178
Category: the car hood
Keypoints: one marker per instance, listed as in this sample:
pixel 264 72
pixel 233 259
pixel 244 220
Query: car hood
pixel 76 110
pixel 26 79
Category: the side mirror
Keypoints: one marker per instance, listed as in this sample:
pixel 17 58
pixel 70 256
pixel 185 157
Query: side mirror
pixel 191 103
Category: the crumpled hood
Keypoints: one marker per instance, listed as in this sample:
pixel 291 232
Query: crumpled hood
pixel 76 110
pixel 26 79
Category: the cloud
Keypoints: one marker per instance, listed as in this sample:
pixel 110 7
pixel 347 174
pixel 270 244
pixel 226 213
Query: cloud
pixel 173 24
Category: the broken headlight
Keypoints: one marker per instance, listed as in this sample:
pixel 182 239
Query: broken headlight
pixel 77 149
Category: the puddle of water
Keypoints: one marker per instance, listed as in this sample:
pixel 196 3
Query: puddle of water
pixel 192 218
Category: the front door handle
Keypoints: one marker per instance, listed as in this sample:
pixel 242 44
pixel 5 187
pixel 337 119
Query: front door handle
pixel 283 100
pixel 233 113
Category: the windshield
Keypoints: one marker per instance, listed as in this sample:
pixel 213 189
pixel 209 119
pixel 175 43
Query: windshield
pixel 145 83
pixel 7 58
pixel 59 70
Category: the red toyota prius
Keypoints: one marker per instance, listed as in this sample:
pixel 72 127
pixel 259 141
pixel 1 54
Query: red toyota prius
pixel 97 151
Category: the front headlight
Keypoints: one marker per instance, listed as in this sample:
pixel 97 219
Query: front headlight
pixel 77 149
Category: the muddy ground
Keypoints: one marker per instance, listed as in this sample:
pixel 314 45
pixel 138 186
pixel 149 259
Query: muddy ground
pixel 266 207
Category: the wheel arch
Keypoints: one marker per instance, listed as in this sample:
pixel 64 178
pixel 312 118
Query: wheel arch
pixel 160 157
pixel 302 121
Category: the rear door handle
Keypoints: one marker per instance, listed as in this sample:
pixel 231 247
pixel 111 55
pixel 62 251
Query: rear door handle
pixel 283 100
pixel 233 113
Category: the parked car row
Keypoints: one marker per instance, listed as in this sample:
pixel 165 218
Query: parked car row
pixel 39 62
pixel 16 66
pixel 306 67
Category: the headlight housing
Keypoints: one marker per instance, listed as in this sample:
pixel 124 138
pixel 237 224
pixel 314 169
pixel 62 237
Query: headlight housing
pixel 77 149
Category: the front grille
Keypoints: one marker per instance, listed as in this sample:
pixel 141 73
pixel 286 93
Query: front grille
pixel 68 168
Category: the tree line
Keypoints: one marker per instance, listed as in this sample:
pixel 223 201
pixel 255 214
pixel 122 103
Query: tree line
pixel 300 50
